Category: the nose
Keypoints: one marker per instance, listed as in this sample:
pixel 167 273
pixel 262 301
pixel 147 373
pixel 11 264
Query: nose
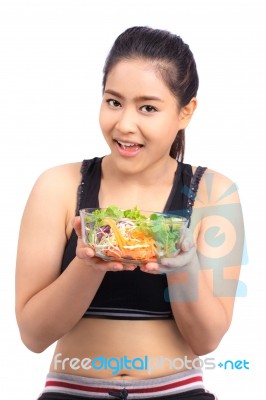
pixel 127 121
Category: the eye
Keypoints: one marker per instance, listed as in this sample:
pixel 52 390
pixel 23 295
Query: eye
pixel 113 103
pixel 148 109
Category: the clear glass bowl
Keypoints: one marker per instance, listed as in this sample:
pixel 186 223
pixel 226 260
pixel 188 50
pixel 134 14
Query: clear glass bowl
pixel 132 236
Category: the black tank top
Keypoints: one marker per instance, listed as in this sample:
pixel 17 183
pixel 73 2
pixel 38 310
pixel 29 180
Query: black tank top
pixel 133 295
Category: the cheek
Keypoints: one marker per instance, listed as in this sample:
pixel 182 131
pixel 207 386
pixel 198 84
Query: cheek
pixel 167 129
pixel 103 119
pixel 107 119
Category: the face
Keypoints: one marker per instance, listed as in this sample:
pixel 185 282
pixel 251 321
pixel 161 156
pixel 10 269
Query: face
pixel 139 116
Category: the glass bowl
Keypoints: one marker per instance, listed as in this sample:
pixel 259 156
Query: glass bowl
pixel 132 236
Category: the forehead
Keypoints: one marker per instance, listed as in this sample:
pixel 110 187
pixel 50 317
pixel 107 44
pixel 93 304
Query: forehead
pixel 134 76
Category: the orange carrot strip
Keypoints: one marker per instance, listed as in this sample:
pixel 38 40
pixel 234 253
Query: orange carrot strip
pixel 119 238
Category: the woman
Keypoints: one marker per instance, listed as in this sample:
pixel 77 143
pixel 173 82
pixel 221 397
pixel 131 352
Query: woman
pixel 121 330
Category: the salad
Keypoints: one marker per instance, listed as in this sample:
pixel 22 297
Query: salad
pixel 131 234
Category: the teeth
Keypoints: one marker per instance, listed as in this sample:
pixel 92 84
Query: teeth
pixel 127 144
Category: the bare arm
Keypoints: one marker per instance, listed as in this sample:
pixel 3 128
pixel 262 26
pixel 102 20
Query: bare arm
pixel 49 304
pixel 202 291
pixel 203 303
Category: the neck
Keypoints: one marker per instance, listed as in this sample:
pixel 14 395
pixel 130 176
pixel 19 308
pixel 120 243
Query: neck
pixel 162 171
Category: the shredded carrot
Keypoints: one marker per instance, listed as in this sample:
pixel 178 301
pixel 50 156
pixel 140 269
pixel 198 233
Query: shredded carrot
pixel 138 246
pixel 119 238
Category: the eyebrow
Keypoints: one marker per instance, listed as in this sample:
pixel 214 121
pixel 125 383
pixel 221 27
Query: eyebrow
pixel 138 98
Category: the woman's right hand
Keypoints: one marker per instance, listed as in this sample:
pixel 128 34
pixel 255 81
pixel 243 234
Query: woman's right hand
pixel 87 254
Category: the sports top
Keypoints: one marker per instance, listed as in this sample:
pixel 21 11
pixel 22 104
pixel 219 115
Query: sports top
pixel 132 295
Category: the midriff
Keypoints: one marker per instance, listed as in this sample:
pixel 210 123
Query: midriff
pixel 157 344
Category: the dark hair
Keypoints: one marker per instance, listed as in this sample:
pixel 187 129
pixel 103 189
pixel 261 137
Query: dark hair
pixel 175 63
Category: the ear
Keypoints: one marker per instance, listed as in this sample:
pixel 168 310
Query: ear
pixel 186 113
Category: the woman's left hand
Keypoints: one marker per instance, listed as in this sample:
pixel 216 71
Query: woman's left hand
pixel 184 257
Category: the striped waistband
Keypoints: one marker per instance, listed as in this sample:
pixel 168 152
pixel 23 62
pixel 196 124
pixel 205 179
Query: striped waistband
pixel 132 389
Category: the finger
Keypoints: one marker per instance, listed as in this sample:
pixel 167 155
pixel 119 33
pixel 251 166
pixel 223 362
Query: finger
pixel 129 267
pixel 85 252
pixel 188 241
pixel 111 266
pixel 152 268
pixel 105 266
pixel 181 260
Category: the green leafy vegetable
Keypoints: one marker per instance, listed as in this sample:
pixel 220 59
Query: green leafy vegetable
pixel 133 234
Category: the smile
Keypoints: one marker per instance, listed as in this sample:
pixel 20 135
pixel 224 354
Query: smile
pixel 127 149
pixel 127 145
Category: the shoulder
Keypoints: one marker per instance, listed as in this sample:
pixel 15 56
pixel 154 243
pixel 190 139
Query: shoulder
pixel 53 196
pixel 65 170
pixel 215 188
pixel 56 186
pixel 59 177
pixel 217 204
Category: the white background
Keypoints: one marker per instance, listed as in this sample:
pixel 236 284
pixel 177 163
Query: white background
pixel 51 58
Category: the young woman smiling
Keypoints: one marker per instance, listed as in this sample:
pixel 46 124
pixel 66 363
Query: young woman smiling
pixel 98 310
